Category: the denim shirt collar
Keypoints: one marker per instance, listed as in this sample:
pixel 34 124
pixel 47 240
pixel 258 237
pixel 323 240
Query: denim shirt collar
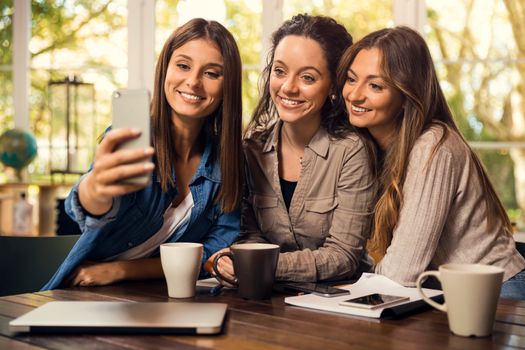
pixel 209 167
pixel 319 142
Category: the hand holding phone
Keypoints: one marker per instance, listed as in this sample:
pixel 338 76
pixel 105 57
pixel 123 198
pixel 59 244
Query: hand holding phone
pixel 122 161
pixel 373 301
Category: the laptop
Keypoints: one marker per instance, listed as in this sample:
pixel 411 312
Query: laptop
pixel 122 317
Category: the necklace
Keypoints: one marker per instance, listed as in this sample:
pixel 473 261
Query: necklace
pixel 292 146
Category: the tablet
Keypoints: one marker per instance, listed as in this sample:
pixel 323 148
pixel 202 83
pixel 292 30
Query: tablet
pixel 112 317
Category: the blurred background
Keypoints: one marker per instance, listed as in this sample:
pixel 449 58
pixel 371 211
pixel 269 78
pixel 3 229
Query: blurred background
pixel 60 61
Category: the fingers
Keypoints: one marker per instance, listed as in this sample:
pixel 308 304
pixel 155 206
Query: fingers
pixel 225 268
pixel 227 285
pixel 124 156
pixel 111 166
pixel 107 176
pixel 77 278
pixel 115 137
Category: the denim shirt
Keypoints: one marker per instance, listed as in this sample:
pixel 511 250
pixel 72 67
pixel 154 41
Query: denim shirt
pixel 137 216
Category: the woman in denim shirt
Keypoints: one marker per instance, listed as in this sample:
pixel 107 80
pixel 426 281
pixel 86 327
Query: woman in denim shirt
pixel 195 183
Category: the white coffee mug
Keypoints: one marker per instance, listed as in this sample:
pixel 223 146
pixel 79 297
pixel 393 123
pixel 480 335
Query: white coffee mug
pixel 471 296
pixel 181 263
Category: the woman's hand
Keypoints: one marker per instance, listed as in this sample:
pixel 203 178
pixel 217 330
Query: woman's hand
pixel 102 184
pixel 97 274
pixel 225 267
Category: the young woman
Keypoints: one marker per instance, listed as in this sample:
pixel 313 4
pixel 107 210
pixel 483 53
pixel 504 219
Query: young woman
pixel 437 204
pixel 310 187
pixel 196 175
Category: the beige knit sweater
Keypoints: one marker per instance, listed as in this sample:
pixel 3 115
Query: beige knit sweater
pixel 443 218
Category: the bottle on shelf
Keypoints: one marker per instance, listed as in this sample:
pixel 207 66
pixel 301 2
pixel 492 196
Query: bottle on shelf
pixel 22 216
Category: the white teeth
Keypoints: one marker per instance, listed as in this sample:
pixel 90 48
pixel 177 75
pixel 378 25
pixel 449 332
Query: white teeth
pixel 190 96
pixel 359 109
pixel 289 102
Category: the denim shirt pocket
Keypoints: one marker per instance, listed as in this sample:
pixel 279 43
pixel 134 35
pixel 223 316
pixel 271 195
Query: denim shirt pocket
pixel 132 229
pixel 318 216
pixel 265 208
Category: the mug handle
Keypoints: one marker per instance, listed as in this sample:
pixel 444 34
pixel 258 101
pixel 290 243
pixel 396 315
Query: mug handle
pixel 419 282
pixel 216 269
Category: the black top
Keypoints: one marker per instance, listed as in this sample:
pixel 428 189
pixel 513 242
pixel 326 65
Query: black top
pixel 288 188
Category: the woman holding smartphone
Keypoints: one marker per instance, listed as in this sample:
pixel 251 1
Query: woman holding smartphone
pixel 310 188
pixel 195 186
pixel 437 204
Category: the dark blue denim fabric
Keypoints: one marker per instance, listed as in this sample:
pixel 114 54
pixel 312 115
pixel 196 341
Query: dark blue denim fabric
pixel 514 287
pixel 135 217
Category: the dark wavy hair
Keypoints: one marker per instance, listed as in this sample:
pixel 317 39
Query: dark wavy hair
pixel 333 39
pixel 224 126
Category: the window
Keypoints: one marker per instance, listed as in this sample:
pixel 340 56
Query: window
pixel 482 69
pixel 84 40
pixel 241 17
pixel 359 17
pixel 6 70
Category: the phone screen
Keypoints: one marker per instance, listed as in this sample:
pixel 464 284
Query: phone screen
pixel 318 289
pixel 373 300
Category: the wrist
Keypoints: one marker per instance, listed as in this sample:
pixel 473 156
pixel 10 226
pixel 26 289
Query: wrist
pixel 95 204
pixel 121 271
pixel 91 193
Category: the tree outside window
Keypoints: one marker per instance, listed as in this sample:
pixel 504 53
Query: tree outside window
pixel 479 48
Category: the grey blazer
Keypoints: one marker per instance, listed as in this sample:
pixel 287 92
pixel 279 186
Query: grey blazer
pixel 324 233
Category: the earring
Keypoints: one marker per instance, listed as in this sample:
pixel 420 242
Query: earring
pixel 333 97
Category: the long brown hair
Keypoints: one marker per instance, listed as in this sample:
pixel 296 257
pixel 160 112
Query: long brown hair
pixel 333 39
pixel 407 66
pixel 223 126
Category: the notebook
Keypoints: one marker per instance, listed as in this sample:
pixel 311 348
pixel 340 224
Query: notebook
pixel 122 317
pixel 370 283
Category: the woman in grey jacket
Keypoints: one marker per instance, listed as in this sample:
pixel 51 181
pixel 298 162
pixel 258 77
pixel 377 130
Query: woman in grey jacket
pixel 310 187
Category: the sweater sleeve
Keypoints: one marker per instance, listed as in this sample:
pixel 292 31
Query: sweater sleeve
pixel 428 192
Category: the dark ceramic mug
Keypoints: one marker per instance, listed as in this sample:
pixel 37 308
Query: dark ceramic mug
pixel 254 265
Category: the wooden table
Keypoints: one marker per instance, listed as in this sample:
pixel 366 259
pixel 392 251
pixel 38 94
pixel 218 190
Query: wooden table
pixel 268 324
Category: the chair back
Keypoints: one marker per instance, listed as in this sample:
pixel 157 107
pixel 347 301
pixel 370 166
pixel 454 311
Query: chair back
pixel 27 263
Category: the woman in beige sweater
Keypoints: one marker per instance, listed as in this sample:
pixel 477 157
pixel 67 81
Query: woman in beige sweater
pixel 437 204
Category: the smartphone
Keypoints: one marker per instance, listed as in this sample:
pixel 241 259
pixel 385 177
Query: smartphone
pixel 130 109
pixel 373 301
pixel 317 289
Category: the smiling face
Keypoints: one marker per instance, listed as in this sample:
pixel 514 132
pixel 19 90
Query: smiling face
pixel 370 101
pixel 194 79
pixel 300 80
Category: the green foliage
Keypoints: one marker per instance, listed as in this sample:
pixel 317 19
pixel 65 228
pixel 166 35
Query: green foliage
pixel 359 17
pixel 499 167
pixel 6 31
pixel 242 22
